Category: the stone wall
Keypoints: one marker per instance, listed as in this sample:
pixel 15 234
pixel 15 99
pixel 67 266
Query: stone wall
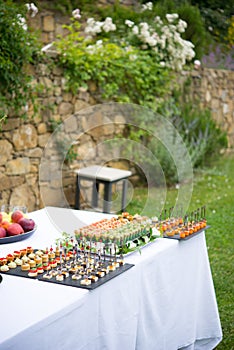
pixel 214 89
pixel 23 141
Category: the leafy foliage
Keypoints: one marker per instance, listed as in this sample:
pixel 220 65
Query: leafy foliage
pixel 199 131
pixel 18 48
pixel 216 14
pixel 120 74
pixel 196 31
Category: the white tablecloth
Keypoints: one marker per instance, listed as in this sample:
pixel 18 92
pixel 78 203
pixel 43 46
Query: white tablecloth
pixel 166 301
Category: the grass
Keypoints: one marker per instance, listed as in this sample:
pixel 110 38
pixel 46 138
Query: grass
pixel 213 187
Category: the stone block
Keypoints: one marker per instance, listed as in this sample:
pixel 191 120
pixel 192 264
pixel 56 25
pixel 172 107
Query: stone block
pixel 10 124
pixel 47 85
pixel 65 108
pixel 5 182
pixel 43 69
pixel 25 137
pixel 34 153
pixel 57 82
pixel 33 169
pixel 48 23
pixel 57 92
pixel 43 139
pixel 45 38
pixel 6 151
pixel 83 94
pixel 225 108
pixel 23 195
pixel 17 180
pixel 67 96
pixel 87 151
pixel 208 96
pixel 70 124
pixel 79 105
pixel 31 180
pixel 18 166
pixel 42 128
pixel 57 71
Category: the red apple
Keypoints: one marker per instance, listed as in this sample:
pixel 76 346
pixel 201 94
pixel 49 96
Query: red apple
pixel 14 229
pixel 16 216
pixel 27 224
pixel 5 224
pixel 2 232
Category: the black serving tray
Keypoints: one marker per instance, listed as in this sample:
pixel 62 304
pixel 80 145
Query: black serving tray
pixel 187 237
pixel 69 281
pixel 73 283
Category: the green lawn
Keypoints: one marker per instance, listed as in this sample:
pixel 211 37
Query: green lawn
pixel 213 187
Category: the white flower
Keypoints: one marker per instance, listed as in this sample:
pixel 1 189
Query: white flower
pixel 22 22
pixel 158 20
pixel 99 44
pixel 93 27
pixel 32 8
pixel 144 26
pixel 197 64
pixel 135 30
pixel 171 17
pixel 133 57
pixel 90 49
pixel 151 41
pixel 147 6
pixel 108 25
pixel 181 26
pixel 76 14
pixel 129 23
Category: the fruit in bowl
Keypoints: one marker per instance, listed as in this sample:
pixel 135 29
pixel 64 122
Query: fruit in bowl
pixel 2 232
pixel 16 216
pixel 26 224
pixel 14 229
pixel 14 223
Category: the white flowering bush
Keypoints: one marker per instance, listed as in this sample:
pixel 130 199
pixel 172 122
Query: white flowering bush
pixel 162 38
pixel 130 61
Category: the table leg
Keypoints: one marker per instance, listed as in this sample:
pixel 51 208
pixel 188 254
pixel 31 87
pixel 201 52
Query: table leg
pixel 107 197
pixel 77 195
pixel 124 195
pixel 95 193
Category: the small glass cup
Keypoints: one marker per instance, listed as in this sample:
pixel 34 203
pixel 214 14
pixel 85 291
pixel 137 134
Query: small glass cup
pixel 8 209
pixel 23 209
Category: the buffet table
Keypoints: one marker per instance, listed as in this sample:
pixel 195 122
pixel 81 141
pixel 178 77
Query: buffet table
pixel 166 301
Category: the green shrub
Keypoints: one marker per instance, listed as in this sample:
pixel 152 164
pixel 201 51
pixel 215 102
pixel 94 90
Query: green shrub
pixel 18 48
pixel 203 138
pixel 121 75
pixel 196 31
